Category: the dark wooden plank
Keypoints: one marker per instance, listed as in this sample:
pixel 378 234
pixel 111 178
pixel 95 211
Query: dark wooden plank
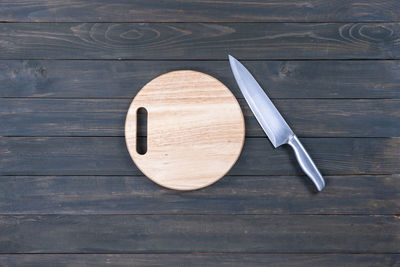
pixel 231 195
pixel 68 117
pixel 308 117
pixel 200 40
pixel 198 233
pixel 123 79
pixel 200 260
pixel 200 10
pixel 109 156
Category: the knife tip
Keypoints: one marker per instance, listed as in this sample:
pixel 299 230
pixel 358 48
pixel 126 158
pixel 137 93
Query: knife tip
pixel 233 61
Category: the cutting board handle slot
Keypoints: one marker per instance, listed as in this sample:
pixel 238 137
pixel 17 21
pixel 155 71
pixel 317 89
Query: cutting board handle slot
pixel 141 130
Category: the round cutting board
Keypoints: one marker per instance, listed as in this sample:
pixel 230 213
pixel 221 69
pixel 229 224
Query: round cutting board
pixel 195 130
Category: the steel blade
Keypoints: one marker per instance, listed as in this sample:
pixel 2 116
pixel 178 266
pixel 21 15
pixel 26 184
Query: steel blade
pixel 272 122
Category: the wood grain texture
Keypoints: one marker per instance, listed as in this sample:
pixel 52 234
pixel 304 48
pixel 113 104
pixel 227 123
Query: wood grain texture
pixel 200 41
pixel 108 156
pixel 199 10
pixel 231 195
pixel 123 79
pixel 312 72
pixel 195 130
pixel 200 260
pixel 99 117
pixel 198 233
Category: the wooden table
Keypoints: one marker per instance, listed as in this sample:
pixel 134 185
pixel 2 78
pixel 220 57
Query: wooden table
pixel 71 195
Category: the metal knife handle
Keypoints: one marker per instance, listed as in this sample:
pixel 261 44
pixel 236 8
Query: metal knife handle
pixel 306 163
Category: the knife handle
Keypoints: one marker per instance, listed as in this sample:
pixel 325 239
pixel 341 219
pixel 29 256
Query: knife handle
pixel 306 163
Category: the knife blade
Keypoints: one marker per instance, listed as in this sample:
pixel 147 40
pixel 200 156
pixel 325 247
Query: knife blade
pixel 272 122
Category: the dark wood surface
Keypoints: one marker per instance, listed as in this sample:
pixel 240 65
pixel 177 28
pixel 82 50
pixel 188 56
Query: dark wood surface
pixel 350 194
pixel 197 11
pixel 123 79
pixel 109 156
pixel 200 260
pixel 106 117
pixel 204 233
pixel 71 196
pixel 200 41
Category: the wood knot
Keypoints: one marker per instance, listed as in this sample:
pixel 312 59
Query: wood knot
pixel 42 72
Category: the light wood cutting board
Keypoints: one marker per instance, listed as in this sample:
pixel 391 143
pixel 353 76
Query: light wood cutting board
pixel 195 130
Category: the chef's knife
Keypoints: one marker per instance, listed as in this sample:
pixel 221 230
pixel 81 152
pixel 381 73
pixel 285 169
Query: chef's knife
pixel 273 124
